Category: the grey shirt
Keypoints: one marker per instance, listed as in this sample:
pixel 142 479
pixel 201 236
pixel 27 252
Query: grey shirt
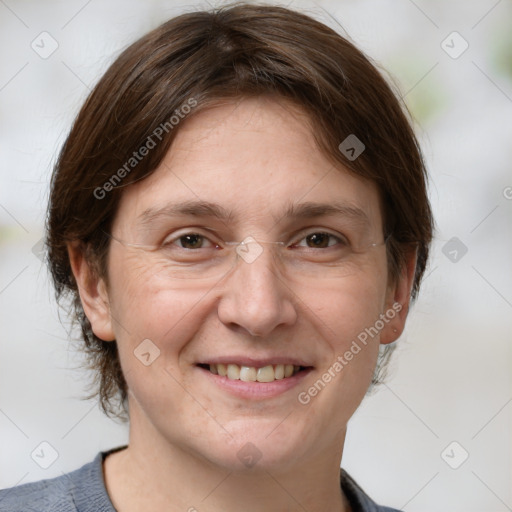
pixel 83 490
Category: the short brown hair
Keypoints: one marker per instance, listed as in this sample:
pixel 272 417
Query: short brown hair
pixel 232 52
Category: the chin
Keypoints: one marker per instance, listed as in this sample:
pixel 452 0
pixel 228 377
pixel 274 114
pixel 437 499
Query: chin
pixel 258 445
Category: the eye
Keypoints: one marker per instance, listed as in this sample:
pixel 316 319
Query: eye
pixel 320 240
pixel 189 241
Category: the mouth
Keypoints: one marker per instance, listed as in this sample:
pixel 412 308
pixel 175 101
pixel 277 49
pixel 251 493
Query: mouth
pixel 254 378
pixel 259 374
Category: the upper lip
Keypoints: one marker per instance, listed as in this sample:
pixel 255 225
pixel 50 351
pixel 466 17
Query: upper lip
pixel 255 362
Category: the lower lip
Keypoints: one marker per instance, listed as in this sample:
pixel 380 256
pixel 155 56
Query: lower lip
pixel 256 390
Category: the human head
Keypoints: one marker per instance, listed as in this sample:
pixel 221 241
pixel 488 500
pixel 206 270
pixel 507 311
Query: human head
pixel 196 60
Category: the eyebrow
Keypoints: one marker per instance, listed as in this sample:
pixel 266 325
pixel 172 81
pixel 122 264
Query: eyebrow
pixel 187 208
pixel 294 211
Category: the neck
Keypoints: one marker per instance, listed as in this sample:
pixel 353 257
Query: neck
pixel 154 474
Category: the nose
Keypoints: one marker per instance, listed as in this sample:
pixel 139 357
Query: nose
pixel 255 297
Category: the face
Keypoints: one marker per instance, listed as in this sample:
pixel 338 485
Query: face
pixel 316 277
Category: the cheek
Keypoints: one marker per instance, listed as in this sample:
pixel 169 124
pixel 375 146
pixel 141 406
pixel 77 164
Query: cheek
pixel 145 305
pixel 153 325
pixel 343 320
pixel 348 307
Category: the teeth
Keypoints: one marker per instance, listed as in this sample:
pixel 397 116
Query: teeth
pixel 233 372
pixel 267 373
pixel 279 371
pixel 248 374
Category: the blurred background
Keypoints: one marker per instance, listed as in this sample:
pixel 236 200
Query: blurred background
pixel 438 435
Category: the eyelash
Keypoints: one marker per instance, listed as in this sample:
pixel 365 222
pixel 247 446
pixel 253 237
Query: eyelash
pixel 341 240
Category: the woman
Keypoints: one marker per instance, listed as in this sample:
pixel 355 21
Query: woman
pixel 240 218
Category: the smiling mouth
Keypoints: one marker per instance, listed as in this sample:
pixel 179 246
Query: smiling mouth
pixel 268 373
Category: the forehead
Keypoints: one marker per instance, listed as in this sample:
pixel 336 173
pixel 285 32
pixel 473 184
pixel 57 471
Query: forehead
pixel 254 157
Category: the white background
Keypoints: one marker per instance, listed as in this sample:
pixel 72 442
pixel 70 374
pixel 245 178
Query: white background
pixel 451 376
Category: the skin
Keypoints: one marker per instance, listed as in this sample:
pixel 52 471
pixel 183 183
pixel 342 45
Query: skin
pixel 252 157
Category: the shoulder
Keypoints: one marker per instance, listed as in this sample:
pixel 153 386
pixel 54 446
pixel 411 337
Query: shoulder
pixel 82 490
pixel 44 496
pixel 358 499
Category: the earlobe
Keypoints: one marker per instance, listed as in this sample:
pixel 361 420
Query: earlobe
pixel 398 301
pixel 93 292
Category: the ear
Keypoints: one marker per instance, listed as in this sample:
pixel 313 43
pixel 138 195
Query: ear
pixel 398 298
pixel 93 292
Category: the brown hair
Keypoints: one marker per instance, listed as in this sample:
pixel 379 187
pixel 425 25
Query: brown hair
pixel 202 57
